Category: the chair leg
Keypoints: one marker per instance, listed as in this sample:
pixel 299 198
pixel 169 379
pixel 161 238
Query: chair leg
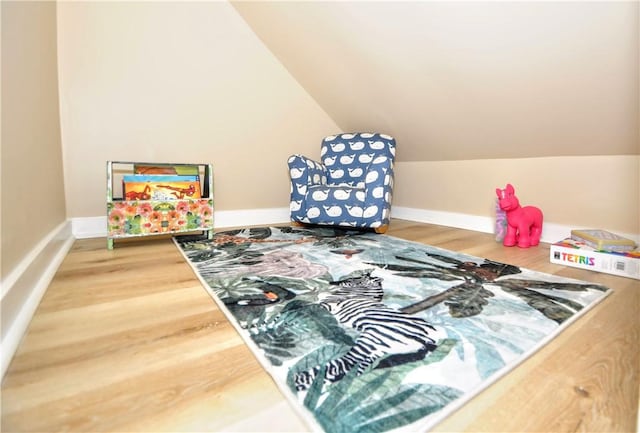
pixel 382 229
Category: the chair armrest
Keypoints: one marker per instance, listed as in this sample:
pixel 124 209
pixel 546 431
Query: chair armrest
pixel 379 187
pixel 304 172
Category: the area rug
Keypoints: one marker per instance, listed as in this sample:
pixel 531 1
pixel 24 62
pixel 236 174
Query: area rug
pixel 371 333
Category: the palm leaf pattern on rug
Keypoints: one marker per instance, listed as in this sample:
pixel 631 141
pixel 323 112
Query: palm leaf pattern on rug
pixel 352 404
pixel 300 327
pixel 469 297
pixel 275 283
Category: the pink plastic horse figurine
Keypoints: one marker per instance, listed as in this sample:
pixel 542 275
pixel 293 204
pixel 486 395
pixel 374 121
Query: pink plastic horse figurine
pixel 524 224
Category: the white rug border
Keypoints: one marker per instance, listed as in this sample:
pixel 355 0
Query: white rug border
pixel 445 412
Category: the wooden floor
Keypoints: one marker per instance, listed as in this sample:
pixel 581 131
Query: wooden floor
pixel 128 340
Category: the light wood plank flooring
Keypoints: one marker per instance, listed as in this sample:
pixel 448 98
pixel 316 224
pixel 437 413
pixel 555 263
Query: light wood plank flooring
pixel 128 340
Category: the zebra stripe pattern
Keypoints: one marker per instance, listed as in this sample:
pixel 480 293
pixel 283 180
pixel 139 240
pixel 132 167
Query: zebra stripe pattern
pixel 387 336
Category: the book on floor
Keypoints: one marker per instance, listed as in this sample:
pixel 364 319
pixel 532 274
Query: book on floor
pixel 577 254
pixel 603 240
pixel 161 187
pixel 176 169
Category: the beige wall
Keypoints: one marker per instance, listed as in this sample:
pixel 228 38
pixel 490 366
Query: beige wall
pixel 544 95
pixel 33 201
pixel 455 80
pixel 577 191
pixel 178 82
pixel 191 82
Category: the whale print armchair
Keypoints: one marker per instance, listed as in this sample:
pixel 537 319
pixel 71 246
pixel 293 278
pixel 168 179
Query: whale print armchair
pixel 351 187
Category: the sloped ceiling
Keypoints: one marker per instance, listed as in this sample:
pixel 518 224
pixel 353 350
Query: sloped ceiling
pixel 466 80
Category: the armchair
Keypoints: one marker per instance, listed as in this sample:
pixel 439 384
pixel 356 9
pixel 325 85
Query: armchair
pixel 351 187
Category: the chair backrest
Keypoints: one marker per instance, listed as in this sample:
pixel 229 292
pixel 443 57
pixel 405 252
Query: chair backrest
pixel 347 156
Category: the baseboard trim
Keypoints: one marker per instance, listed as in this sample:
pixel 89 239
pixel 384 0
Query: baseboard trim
pixel 24 287
pixel 95 227
pixel 551 232
pixel 251 217
pixel 441 218
pixel 89 227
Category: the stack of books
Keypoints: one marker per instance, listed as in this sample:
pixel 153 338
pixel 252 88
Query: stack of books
pixel 162 182
pixel 598 250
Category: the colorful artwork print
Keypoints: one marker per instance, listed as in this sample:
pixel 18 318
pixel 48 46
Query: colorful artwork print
pixel 371 333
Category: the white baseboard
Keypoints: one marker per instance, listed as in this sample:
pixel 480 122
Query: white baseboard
pixel 89 227
pixel 251 217
pixel 96 227
pixel 551 232
pixel 23 288
pixel 449 219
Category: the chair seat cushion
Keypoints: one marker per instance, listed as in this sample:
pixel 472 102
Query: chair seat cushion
pixel 328 202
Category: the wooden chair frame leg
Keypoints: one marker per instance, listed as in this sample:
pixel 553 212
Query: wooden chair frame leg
pixel 382 229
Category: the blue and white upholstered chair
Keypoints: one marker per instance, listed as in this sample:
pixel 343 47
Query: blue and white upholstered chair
pixel 351 187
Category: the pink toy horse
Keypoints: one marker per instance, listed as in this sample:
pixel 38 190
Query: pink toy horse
pixel 524 224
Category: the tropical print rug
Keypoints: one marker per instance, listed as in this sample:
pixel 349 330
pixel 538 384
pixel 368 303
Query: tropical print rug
pixel 371 333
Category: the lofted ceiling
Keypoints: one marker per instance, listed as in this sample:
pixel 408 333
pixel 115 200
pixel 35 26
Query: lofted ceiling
pixel 466 80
